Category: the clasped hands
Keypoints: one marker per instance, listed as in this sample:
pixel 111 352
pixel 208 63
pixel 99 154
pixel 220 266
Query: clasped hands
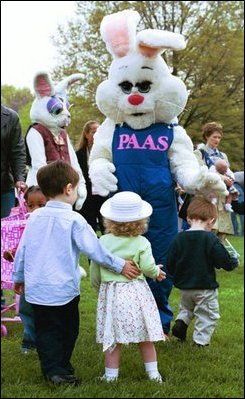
pixel 131 271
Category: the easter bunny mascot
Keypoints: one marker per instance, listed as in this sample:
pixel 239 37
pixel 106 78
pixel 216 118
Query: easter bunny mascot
pixel 47 139
pixel 140 147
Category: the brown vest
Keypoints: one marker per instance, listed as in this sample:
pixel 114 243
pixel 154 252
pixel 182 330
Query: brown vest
pixel 55 147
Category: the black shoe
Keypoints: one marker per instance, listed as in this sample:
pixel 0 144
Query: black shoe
pixel 179 329
pixel 200 345
pixel 63 379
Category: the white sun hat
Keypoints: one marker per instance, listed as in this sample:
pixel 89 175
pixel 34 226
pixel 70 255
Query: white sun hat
pixel 125 207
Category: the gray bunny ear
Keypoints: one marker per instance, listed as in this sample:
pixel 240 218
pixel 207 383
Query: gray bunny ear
pixel 43 85
pixel 60 88
pixel 151 42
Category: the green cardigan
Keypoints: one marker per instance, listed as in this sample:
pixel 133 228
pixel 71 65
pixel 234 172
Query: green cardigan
pixel 129 248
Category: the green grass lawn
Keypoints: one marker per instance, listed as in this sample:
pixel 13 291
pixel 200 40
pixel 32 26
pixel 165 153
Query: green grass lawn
pixel 191 372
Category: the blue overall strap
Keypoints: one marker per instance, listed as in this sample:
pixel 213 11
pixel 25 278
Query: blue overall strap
pixel 207 158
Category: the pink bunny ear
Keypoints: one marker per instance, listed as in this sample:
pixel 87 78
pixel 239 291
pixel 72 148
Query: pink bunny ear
pixel 151 42
pixel 43 85
pixel 118 32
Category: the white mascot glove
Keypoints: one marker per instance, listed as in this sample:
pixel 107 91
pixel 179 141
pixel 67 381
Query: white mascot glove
pixel 82 194
pixel 102 177
pixel 210 182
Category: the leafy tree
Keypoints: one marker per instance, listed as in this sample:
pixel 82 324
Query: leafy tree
pixel 15 98
pixel 20 100
pixel 24 114
pixel 81 112
pixel 211 66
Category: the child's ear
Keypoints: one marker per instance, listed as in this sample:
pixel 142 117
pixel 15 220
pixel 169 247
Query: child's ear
pixel 68 189
pixel 211 221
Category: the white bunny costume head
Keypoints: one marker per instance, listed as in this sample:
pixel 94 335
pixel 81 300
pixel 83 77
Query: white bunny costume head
pixel 140 89
pixel 51 107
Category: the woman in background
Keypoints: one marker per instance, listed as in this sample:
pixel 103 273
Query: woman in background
pixel 208 154
pixel 91 207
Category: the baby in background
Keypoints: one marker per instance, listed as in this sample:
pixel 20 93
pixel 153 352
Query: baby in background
pixel 223 169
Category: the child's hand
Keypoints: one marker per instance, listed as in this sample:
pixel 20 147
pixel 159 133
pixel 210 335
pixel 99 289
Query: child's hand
pixel 9 255
pixel 162 274
pixel 130 270
pixel 179 190
pixel 19 288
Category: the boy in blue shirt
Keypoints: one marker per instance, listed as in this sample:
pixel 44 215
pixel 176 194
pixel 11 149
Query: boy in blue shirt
pixel 46 268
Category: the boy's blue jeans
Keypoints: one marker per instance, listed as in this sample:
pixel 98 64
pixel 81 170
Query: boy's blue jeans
pixel 27 316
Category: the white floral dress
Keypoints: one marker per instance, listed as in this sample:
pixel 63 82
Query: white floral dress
pixel 127 313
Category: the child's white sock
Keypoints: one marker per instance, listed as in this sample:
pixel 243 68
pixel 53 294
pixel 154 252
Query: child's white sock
pixel 83 272
pixel 111 374
pixel 152 371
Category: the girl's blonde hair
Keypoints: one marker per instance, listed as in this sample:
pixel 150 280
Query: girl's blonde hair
pixel 86 128
pixel 126 229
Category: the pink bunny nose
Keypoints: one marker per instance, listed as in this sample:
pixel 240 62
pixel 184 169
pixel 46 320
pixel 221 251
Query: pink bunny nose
pixel 135 99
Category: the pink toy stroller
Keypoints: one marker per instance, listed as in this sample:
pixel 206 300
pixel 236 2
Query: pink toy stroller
pixel 12 228
pixel 6 308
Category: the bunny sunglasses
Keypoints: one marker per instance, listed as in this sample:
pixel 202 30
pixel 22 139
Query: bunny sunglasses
pixel 56 105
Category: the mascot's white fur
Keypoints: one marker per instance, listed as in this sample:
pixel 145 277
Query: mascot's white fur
pixel 140 147
pixel 50 109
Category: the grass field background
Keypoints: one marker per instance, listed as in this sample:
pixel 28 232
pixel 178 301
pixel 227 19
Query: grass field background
pixel 216 371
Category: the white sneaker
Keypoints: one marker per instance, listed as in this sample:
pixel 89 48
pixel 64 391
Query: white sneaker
pixel 157 378
pixel 108 378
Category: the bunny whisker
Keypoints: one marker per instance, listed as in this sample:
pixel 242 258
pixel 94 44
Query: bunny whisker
pixel 154 116
pixel 118 116
pixel 175 105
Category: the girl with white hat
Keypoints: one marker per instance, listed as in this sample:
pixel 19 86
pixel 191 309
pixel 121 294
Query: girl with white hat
pixel 126 310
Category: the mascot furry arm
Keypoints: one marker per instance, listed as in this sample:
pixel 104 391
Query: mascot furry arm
pixel 50 110
pixel 141 91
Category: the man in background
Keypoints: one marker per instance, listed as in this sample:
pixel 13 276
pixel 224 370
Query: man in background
pixel 13 159
pixel 13 162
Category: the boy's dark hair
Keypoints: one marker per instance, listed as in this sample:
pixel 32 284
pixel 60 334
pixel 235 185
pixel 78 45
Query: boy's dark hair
pixel 201 209
pixel 55 176
pixel 31 189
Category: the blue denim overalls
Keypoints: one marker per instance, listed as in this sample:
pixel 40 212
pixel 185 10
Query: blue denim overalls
pixel 140 158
